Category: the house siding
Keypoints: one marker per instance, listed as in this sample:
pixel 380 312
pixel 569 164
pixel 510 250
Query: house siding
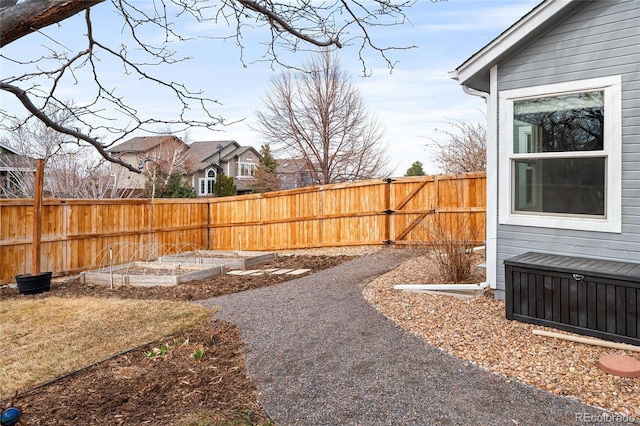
pixel 600 39
pixel 125 178
pixel 243 183
pixel 128 180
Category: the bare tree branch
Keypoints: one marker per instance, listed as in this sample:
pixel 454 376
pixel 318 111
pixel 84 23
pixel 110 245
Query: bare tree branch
pixel 24 99
pixel 288 28
pixel 462 148
pixel 293 25
pixel 74 170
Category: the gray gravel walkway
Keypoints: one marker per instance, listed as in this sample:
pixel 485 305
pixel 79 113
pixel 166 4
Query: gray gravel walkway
pixel 320 355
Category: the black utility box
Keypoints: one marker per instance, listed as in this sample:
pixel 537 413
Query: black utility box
pixel 594 297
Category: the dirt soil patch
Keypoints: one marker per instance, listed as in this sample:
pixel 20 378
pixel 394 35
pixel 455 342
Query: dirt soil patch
pixel 136 388
pixel 192 290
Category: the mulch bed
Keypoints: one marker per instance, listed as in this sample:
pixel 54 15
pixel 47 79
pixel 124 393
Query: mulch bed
pixel 135 388
pixel 192 290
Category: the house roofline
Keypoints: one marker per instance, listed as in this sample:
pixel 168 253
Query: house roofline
pixel 8 148
pixel 158 139
pixel 509 40
pixel 241 150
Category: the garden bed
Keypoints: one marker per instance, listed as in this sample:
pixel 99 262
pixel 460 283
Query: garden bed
pixel 149 274
pixel 231 259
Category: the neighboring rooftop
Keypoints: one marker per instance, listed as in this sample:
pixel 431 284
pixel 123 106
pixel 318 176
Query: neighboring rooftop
pixel 200 152
pixel 142 143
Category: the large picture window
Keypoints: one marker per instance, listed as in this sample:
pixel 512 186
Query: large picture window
pixel 247 169
pixel 560 155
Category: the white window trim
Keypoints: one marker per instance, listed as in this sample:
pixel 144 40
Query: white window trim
pixel 612 87
pixel 250 164
pixel 205 180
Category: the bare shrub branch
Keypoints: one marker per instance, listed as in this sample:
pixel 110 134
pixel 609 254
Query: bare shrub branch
pixel 450 241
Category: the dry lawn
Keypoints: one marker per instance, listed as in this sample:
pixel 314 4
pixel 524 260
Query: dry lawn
pixel 45 338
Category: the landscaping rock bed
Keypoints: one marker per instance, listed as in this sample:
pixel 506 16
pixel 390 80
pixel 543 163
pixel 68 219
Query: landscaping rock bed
pixel 476 330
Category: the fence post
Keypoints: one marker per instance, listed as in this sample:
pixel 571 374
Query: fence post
pixel 37 218
pixel 321 215
pixel 388 211
pixel 208 226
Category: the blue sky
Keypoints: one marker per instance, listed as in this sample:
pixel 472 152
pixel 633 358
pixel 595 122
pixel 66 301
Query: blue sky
pixel 412 102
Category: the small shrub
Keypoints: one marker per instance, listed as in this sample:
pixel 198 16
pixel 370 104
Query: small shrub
pixel 451 244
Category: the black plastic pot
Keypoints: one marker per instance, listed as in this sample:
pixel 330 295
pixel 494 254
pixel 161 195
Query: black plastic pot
pixel 33 284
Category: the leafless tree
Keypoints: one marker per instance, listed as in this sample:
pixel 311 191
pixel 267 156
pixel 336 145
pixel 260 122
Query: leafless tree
pixel 72 169
pixel 77 174
pixel 17 178
pixel 291 26
pixel 316 115
pixel 462 148
pixel 70 173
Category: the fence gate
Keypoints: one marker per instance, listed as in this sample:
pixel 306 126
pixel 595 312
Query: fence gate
pixel 450 206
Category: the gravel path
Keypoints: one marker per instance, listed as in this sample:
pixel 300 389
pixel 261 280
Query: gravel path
pixel 321 355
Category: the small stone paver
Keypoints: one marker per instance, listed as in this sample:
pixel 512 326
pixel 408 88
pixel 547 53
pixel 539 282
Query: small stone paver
pixel 242 272
pixel 282 271
pixel 274 271
pixel 298 272
pixel 620 365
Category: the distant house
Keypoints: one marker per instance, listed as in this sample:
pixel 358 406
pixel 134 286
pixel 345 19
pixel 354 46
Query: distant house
pixel 294 173
pixel 149 154
pixel 13 168
pixel 200 162
pixel 562 87
pixel 208 158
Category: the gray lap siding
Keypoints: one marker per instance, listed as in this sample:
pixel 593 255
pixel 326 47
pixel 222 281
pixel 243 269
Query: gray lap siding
pixel 600 39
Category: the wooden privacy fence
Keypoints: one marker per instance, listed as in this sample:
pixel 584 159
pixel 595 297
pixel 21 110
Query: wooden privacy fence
pixel 388 211
pixel 82 234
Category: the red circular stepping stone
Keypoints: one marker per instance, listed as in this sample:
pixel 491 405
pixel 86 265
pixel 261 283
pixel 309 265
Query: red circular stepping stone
pixel 620 365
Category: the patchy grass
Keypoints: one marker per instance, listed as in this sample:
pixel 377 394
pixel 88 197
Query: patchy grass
pixel 243 417
pixel 45 338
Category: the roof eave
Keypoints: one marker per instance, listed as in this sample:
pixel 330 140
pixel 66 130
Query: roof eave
pixel 474 72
